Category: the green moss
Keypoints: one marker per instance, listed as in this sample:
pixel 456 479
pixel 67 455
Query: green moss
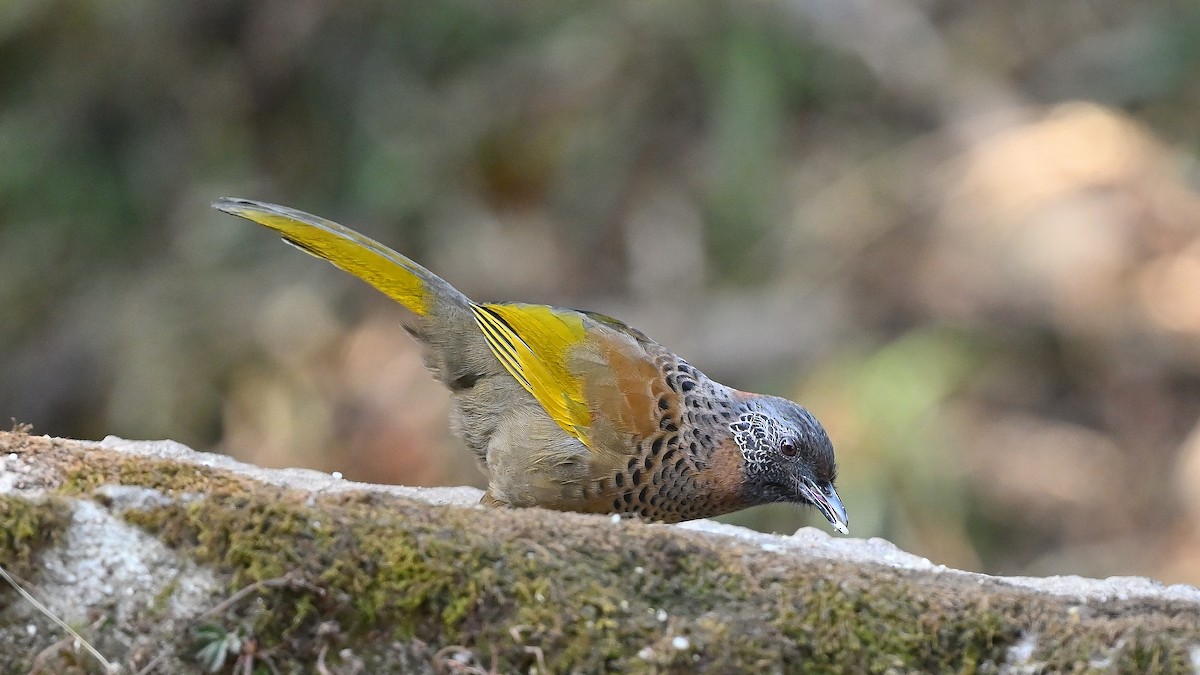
pixel 170 477
pixel 162 599
pixel 1131 636
pixel 897 625
pixel 26 527
pixel 587 594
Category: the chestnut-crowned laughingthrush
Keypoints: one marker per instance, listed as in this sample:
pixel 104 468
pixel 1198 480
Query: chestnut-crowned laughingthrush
pixel 576 411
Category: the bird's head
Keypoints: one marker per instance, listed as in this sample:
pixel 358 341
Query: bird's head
pixel 787 457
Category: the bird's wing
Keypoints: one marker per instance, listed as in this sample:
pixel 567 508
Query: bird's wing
pixel 532 342
pixel 596 377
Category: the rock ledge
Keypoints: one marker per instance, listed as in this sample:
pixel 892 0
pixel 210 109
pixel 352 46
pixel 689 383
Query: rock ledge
pixel 174 561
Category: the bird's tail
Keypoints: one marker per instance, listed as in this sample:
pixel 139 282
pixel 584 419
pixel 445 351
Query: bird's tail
pixel 398 277
pixel 443 319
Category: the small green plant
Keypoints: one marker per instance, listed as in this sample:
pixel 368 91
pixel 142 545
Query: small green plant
pixel 216 645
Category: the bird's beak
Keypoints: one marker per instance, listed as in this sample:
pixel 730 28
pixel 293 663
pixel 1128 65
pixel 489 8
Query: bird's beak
pixel 827 501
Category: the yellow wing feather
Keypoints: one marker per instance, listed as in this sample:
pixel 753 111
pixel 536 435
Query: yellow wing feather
pixel 533 342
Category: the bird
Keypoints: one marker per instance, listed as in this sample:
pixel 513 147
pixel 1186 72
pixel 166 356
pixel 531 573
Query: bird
pixel 574 410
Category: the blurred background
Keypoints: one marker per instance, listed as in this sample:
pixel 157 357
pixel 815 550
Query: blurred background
pixel 966 234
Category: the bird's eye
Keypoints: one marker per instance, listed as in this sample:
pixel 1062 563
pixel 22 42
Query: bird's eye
pixel 788 449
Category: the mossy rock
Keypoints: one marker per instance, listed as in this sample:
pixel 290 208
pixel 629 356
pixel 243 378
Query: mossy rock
pixel 403 585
